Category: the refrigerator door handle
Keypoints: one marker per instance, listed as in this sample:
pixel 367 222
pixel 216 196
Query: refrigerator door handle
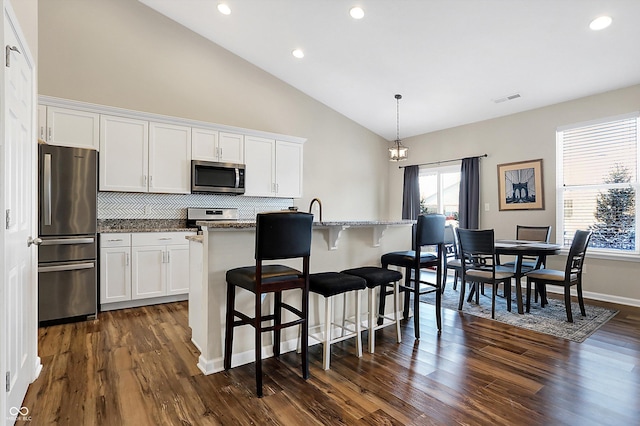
pixel 60 241
pixel 47 189
pixel 69 267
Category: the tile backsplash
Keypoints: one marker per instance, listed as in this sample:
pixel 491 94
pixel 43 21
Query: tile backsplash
pixel 129 205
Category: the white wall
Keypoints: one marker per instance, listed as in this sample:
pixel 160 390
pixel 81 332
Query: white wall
pixel 124 54
pixel 520 137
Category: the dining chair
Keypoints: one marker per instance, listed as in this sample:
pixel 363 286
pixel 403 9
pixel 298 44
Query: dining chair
pixel 479 265
pixel 571 275
pixel 279 235
pixel 530 233
pixel 429 232
pixel 452 256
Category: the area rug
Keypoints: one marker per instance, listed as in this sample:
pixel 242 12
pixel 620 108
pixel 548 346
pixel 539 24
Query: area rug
pixel 552 319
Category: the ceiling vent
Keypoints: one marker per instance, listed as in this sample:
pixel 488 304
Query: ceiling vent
pixel 507 98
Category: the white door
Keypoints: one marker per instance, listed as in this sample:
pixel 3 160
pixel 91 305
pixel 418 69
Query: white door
pixel 204 144
pixel 18 261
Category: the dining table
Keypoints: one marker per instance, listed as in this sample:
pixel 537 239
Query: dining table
pixel 519 249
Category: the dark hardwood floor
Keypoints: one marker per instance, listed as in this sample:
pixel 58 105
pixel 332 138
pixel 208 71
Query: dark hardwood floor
pixel 138 367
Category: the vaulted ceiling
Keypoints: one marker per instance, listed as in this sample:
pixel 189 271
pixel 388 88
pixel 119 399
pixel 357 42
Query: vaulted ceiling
pixel 453 61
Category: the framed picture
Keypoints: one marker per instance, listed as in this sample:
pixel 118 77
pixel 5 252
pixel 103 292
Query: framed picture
pixel 520 186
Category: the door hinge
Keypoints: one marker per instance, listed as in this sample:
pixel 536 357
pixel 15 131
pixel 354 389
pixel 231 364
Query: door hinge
pixel 8 386
pixel 7 219
pixel 8 49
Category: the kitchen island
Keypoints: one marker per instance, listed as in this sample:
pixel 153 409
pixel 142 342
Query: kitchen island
pixel 335 246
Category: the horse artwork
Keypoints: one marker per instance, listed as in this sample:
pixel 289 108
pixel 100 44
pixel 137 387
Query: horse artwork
pixel 520 185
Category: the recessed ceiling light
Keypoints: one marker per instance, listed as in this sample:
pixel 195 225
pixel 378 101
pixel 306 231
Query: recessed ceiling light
pixel 356 12
pixel 298 53
pixel 224 9
pixel 600 23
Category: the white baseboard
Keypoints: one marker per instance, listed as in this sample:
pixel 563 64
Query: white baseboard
pixel 211 366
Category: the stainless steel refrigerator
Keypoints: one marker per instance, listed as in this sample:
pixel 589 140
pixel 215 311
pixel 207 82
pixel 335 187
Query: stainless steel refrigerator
pixel 67 265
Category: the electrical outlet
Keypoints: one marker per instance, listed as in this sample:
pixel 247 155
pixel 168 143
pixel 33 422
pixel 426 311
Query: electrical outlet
pixel 147 210
pixel 486 207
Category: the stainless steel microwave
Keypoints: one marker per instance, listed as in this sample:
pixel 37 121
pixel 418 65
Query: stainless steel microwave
pixel 217 178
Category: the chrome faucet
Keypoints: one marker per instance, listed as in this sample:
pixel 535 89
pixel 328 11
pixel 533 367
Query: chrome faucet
pixel 319 206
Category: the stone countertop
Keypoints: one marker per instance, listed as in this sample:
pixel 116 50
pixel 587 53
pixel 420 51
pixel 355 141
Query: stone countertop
pixel 242 224
pixel 143 225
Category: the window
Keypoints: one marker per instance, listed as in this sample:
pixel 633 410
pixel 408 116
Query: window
pixel 439 191
pixel 597 183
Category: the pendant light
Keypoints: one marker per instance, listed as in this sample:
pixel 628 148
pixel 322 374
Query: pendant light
pixel 398 152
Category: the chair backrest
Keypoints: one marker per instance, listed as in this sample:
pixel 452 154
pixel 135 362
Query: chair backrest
pixel 430 230
pixel 477 248
pixel 533 233
pixel 283 235
pixel 575 258
pixel 451 242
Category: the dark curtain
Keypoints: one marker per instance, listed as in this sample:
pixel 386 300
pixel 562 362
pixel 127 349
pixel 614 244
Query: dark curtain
pixel 470 193
pixel 411 193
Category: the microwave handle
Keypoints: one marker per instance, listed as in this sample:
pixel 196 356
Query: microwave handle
pixel 237 177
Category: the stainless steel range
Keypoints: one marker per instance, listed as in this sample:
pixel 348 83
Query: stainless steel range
pixel 195 214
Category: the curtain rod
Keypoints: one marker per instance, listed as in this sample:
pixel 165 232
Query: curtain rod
pixel 444 161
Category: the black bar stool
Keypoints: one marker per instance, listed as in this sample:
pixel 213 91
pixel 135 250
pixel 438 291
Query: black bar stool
pixel 429 232
pixel 330 284
pixel 379 278
pixel 281 235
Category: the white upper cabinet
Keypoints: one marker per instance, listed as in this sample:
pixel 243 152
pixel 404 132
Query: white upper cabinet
pixel 68 127
pixel 144 152
pixel 273 168
pixel 211 145
pixel 204 144
pixel 138 156
pixel 231 148
pixel 259 159
pixel 288 169
pixel 169 158
pixel 124 154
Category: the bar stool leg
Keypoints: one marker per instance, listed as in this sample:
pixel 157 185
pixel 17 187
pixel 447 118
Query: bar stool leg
pixel 396 309
pixel 372 319
pixel 326 345
pixel 358 325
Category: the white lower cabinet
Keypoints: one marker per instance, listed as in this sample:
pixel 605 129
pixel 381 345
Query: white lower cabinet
pixel 115 268
pixel 143 265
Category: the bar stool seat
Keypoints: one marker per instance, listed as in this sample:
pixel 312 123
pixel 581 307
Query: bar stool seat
pixel 330 284
pixel 379 278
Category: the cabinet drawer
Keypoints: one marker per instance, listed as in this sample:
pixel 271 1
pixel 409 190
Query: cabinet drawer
pixel 115 240
pixel 159 238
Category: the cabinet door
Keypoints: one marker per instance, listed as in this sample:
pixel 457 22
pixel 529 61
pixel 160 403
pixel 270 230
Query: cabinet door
pixel 73 128
pixel 115 274
pixel 288 169
pixel 148 272
pixel 260 164
pixel 231 148
pixel 123 154
pixel 42 122
pixel 177 269
pixel 169 158
pixel 204 144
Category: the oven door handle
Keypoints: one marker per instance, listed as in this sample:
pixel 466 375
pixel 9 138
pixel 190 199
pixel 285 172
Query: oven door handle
pixel 61 241
pixel 69 267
